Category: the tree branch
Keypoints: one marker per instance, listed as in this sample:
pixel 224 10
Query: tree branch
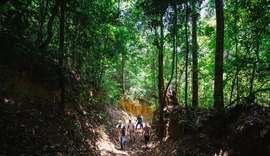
pixel 50 25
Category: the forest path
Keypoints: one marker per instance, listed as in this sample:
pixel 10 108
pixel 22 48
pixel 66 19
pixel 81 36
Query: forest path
pixel 108 143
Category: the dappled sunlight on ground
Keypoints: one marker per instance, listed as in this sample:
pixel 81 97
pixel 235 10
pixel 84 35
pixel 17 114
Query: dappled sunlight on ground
pixel 222 153
pixel 8 101
pixel 106 146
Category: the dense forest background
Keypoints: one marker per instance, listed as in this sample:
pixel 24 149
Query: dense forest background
pixel 211 54
pixel 113 45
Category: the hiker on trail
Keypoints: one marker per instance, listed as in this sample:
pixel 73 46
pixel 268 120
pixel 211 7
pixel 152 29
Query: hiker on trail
pixel 131 128
pixel 146 133
pixel 139 121
pixel 121 132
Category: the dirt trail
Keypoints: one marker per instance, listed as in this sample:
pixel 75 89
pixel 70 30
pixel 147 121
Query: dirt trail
pixel 108 143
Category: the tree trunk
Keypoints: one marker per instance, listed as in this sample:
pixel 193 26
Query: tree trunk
pixel 50 25
pixel 176 70
pixel 173 53
pixel 123 59
pixel 232 87
pixel 254 68
pixel 75 43
pixel 62 55
pixel 194 57
pixel 252 78
pixel 236 53
pixel 218 86
pixel 162 130
pixel 155 80
pixel 43 12
pixel 123 73
pixel 187 51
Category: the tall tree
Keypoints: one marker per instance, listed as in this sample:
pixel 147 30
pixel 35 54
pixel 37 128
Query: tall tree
pixel 236 78
pixel 194 56
pixel 62 51
pixel 187 52
pixel 156 11
pixel 218 86
pixel 161 78
pixel 174 48
pixel 123 58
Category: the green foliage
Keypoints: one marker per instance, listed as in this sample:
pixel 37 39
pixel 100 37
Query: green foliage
pixel 105 40
pixel 112 89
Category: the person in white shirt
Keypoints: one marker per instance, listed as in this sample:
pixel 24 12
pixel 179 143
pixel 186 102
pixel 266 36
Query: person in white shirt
pixel 121 132
pixel 131 129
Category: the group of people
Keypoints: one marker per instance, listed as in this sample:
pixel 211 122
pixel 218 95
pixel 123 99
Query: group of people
pixel 122 131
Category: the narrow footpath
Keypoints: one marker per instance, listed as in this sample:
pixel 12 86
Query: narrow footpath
pixel 108 143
